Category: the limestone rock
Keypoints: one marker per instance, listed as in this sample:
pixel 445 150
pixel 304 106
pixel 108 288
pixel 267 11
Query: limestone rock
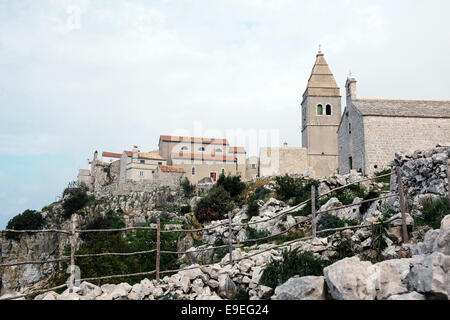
pixel 304 288
pixel 227 288
pixel 351 279
pixel 408 296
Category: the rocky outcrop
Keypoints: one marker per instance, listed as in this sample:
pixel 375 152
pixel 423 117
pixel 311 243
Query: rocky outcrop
pixel 305 288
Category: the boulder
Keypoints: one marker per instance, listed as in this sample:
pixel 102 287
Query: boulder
pixel 443 239
pixel 351 279
pixel 407 296
pixel 390 276
pixel 227 288
pixel 304 288
pixel 429 274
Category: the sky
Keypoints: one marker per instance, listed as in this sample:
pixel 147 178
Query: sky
pixel 80 76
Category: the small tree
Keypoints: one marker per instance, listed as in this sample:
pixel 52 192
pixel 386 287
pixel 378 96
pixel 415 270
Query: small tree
pixel 253 208
pixel 188 188
pixel 214 205
pixel 27 220
pixel 75 202
pixel 232 184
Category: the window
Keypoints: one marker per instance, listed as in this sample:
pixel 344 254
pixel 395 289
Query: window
pixel 350 128
pixel 328 110
pixel 218 150
pixel 141 173
pixel 184 148
pixel 193 171
pixel 160 163
pixel 201 149
pixel 319 110
pixel 142 161
pixel 350 162
pixel 223 170
pixel 253 166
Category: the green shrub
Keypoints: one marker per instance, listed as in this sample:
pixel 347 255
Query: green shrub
pixel 286 187
pixel 188 188
pixel 111 220
pixel 75 202
pixel 294 263
pixel 343 249
pixel 27 220
pixel 433 212
pixel 386 179
pixel 329 221
pixel 185 209
pixel 253 208
pixel 232 184
pixel 214 206
pixel 255 234
pixel 261 193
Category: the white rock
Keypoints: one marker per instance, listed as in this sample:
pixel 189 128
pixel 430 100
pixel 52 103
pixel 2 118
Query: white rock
pixel 408 296
pixel 304 288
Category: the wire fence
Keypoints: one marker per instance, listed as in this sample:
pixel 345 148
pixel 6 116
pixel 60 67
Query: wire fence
pixel 74 232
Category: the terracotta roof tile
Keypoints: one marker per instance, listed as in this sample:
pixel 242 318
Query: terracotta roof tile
pixel 171 169
pixel 146 155
pixel 194 139
pixel 111 154
pixel 196 156
pixel 237 149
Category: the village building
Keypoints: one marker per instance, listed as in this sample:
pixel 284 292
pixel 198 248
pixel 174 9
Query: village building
pixel 371 130
pixel 203 157
pixel 138 166
pixel 321 114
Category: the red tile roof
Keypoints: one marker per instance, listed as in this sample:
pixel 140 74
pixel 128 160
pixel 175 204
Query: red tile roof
pixel 199 156
pixel 194 139
pixel 111 154
pixel 171 169
pixel 237 149
pixel 145 155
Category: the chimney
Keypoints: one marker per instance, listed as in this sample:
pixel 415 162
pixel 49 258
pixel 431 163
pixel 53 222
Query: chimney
pixel 350 88
pixel 135 152
pixel 285 145
pixel 95 155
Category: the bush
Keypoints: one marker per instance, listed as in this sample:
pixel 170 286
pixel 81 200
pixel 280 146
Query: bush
pixel 347 195
pixel 294 263
pixel 286 187
pixel 232 184
pixel 214 206
pixel 253 208
pixel 433 212
pixel 111 220
pixel 255 234
pixel 185 209
pixel 188 188
pixel 27 220
pixel 386 179
pixel 260 193
pixel 329 221
pixel 75 202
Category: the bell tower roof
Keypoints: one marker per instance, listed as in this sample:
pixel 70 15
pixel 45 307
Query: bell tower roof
pixel 321 83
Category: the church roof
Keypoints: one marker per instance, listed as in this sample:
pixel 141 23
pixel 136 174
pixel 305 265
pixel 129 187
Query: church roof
pixel 321 82
pixel 403 108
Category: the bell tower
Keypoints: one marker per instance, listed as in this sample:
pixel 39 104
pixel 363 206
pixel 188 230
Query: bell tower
pixel 321 114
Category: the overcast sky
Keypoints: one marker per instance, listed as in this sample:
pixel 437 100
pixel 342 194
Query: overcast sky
pixel 80 76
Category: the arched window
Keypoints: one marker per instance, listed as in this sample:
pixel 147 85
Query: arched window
pixel 218 150
pixel 201 149
pixel 193 171
pixel 223 170
pixel 319 109
pixel 184 148
pixel 328 110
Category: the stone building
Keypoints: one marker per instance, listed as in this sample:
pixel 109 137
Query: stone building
pixel 136 165
pixel 321 113
pixel 203 157
pixel 373 130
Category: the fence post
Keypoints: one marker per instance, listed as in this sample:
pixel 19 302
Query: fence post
pixel 313 210
pixel 72 253
pixel 158 246
pixel 402 205
pixel 229 238
pixel 448 180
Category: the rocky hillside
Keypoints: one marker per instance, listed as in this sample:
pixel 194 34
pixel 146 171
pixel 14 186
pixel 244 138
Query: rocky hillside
pixel 359 263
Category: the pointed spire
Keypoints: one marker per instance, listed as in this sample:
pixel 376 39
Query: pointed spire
pixel 321 82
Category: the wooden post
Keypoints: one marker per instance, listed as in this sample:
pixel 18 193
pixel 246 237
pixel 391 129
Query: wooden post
pixel 313 210
pixel 72 254
pixel 401 193
pixel 158 246
pixel 448 181
pixel 229 237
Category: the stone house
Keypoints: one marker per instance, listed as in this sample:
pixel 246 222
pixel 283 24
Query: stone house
pixel 203 157
pixel 371 130
pixel 321 114
pixel 137 166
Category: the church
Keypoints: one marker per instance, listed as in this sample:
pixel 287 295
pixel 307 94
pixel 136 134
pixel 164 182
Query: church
pixel 321 115
pixel 365 137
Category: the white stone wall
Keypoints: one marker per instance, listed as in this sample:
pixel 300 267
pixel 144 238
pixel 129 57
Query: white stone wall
pixel 351 145
pixel 384 136
pixel 281 161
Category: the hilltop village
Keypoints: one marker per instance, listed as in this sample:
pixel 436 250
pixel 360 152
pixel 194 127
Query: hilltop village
pixel 359 212
pixel 364 137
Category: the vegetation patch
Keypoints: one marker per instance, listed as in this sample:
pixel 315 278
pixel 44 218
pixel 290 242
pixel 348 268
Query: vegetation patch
pixel 434 210
pixel 188 188
pixel 294 263
pixel 27 220
pixel 75 202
